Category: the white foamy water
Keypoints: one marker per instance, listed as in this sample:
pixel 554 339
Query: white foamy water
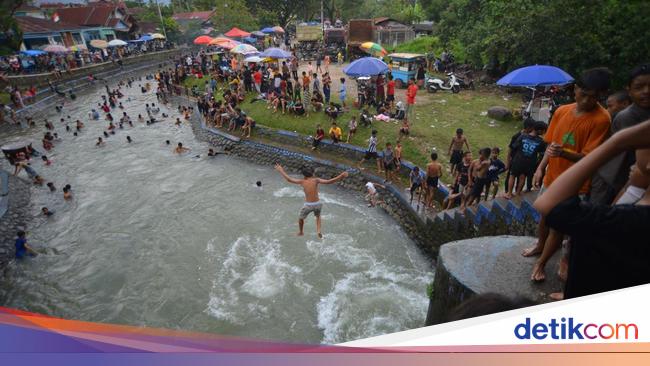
pixel 161 240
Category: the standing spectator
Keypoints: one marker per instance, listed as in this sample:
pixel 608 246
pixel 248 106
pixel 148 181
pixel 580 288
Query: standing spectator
pixel 456 149
pixel 285 69
pixel 434 172
pixel 339 58
pixel 420 76
pixel 611 177
pixel 318 63
pixel 529 125
pixel 352 128
pixel 327 85
pixel 526 150
pixel 294 67
pixel 326 60
pixel 371 152
pixel 342 92
pixel 494 170
pixel 609 246
pixel 305 81
pixel 248 79
pixel 411 92
pixel 390 91
pixel 316 83
pixel 380 89
pixel 617 102
pixel 257 77
pixel 575 130
pixel 389 163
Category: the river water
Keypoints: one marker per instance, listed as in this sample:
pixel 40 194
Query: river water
pixel 161 240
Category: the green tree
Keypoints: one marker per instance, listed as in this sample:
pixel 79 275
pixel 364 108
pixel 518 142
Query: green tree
pixel 233 13
pixel 11 36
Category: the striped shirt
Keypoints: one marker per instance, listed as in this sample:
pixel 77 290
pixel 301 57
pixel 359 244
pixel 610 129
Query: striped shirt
pixel 372 144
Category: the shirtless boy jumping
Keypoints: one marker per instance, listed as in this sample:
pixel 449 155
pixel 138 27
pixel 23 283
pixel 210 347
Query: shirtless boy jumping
pixel 310 187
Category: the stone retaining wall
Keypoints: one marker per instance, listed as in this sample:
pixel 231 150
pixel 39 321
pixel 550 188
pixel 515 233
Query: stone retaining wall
pixel 395 204
pixel 16 198
pixel 40 80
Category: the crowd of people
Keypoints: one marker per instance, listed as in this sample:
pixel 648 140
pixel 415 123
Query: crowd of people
pixel 589 164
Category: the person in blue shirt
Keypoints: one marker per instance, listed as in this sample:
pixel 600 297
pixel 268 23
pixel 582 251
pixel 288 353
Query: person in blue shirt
pixel 22 248
pixel 526 149
pixel 416 178
pixel 494 170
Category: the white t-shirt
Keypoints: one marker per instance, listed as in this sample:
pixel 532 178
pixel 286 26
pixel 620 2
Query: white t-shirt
pixel 371 188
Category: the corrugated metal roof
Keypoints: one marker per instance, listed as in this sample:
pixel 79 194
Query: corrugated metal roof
pixel 38 25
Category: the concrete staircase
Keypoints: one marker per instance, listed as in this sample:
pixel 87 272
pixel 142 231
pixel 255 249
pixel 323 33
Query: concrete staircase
pixel 489 218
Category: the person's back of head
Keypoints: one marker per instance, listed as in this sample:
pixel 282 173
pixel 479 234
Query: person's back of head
pixel 307 171
pixel 20 234
pixel 596 80
pixel 459 131
pixel 434 156
pixel 529 124
pixel 485 152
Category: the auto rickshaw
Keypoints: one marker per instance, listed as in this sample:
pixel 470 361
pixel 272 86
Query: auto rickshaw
pixel 405 66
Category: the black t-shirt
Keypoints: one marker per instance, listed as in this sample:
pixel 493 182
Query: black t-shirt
pixel 463 172
pixel 511 145
pixel 609 245
pixel 526 150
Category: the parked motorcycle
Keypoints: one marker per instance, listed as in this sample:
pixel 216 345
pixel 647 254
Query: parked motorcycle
pixel 435 84
pixel 465 82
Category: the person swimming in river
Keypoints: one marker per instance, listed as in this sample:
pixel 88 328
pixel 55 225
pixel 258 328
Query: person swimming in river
pixel 100 142
pixel 181 149
pixel 312 202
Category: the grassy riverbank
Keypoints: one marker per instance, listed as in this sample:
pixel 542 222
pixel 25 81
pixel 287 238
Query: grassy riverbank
pixel 437 116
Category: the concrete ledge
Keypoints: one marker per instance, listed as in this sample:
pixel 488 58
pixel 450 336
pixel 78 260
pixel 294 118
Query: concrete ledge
pixel 487 264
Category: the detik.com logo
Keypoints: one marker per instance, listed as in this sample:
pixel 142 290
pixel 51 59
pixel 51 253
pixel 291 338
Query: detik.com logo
pixel 568 328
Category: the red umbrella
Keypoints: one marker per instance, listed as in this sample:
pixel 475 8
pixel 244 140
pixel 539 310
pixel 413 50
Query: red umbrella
pixel 202 40
pixel 237 33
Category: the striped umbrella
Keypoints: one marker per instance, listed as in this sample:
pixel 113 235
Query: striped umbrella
pixel 99 43
pixel 216 40
pixel 55 48
pixel 202 40
pixel 243 49
pixel 228 44
pixel 373 49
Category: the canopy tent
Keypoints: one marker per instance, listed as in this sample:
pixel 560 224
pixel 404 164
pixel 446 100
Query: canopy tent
pixel 117 43
pixel 236 33
pixel 278 29
pixel 258 34
pixel 244 49
pixel 536 75
pixel 268 30
pixel 275 53
pixel 99 43
pixel 157 36
pixel 366 66
pixel 55 48
pixel 202 40
pixel 373 49
pixel 33 52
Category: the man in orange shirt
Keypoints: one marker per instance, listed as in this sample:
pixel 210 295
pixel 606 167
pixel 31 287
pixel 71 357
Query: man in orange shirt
pixel 411 92
pixel 575 130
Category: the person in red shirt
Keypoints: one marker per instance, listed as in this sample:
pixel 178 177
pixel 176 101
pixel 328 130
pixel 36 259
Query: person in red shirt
pixel 390 91
pixel 411 92
pixel 257 77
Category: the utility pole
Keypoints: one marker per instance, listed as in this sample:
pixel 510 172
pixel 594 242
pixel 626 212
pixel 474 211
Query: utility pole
pixel 162 24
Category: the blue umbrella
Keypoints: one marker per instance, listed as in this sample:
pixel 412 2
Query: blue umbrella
pixel 33 52
pixel 366 66
pixel 258 34
pixel 275 53
pixel 536 75
pixel 268 30
pixel 146 37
